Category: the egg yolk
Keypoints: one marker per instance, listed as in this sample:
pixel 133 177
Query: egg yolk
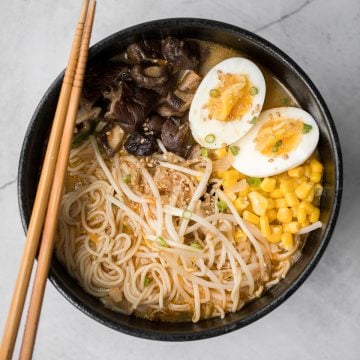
pixel 278 137
pixel 231 99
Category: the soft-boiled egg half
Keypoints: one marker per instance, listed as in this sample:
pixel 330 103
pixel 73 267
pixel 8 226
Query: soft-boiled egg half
pixel 282 138
pixel 227 103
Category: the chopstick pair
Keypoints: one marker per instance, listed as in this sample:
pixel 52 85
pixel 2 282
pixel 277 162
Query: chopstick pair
pixel 45 211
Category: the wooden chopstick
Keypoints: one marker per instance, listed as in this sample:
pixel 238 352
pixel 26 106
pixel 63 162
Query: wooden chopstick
pixel 42 196
pixel 52 214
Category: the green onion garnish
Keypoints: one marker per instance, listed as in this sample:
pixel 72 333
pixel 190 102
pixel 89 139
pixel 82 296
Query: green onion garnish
pixel 234 149
pixel 210 138
pixel 204 152
pixel 196 245
pixel 278 144
pixel 254 120
pixel 253 181
pixel 126 178
pixel 186 214
pixel 162 242
pixel 214 93
pixel 146 281
pixel 307 128
pixel 253 91
pixel 222 205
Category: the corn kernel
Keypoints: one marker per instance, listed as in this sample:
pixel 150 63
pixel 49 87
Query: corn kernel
pixel 239 236
pixel 282 177
pixel 292 227
pixel 231 195
pixel 301 214
pixel 303 190
pixel 229 183
pixel 251 217
pixel 287 186
pixel 284 215
pixel 271 214
pixel 220 174
pixel 301 180
pixel 231 174
pixel 220 153
pixel 291 199
pixel 276 194
pixel 315 177
pixel 276 231
pixel 287 241
pixel 306 206
pixel 307 171
pixel 245 190
pixel 296 172
pixel 294 211
pixel 241 203
pixel 315 215
pixel 318 190
pixel 268 184
pixel 264 226
pixel 271 203
pixel 310 197
pixel 258 202
pixel 305 223
pixel 316 166
pixel 280 203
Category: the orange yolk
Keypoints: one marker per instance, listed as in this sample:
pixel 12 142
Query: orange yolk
pixel 231 99
pixel 279 137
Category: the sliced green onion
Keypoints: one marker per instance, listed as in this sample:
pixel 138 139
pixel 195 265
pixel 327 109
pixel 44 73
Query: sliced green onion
pixel 162 242
pixel 286 101
pixel 222 205
pixel 307 128
pixel 278 144
pixel 146 281
pixel 196 245
pixel 210 138
pixel 234 149
pixel 186 214
pixel 126 178
pixel 253 181
pixel 214 93
pixel 253 91
pixel 254 120
pixel 204 152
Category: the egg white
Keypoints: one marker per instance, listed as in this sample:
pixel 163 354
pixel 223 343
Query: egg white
pixel 251 162
pixel 225 132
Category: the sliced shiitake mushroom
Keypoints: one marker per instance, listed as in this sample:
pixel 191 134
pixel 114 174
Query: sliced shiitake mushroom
pixel 111 138
pixel 174 136
pixel 141 145
pixel 151 77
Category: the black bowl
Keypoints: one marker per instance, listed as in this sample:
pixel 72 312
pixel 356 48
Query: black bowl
pixel 309 98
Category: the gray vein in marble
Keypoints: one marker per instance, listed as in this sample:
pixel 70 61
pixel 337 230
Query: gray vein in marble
pixel 284 17
pixel 8 183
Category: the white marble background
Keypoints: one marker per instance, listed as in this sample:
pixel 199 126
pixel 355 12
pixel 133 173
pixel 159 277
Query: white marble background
pixel 322 320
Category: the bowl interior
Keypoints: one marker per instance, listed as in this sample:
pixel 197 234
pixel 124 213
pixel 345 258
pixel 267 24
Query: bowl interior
pixel 293 78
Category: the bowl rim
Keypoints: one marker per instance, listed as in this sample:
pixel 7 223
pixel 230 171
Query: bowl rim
pixel 334 139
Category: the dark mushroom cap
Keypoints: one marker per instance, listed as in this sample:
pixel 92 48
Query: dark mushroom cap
pixel 173 136
pixel 131 107
pixel 180 53
pixel 141 145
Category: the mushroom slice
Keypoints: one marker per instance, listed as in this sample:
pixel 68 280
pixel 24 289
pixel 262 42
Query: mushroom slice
pixel 189 81
pixel 111 138
pixel 151 77
pixel 130 105
pixel 174 136
pixel 180 53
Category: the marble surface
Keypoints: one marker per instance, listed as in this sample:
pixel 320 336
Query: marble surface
pixel 322 319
